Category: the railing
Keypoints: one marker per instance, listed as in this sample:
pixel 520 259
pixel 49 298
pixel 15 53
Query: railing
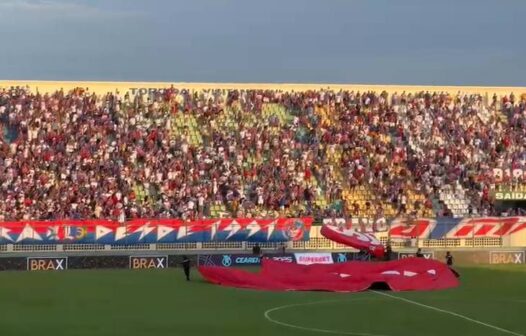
pixel 315 243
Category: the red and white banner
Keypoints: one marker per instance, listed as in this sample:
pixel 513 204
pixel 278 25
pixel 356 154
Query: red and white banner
pixel 155 231
pixel 502 175
pixel 439 228
pixel 417 228
pixel 353 238
pixel 313 258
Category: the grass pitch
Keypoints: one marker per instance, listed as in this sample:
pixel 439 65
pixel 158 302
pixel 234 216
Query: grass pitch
pixel 490 302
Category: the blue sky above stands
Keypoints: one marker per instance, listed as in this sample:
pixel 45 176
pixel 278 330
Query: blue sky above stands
pixel 447 42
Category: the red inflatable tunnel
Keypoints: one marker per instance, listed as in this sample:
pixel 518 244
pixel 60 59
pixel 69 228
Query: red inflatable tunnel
pixel 399 275
pixel 353 238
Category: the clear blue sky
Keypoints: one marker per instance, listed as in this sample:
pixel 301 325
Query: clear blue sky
pixel 465 42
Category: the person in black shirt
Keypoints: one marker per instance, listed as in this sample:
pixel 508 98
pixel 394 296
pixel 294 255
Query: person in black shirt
pixel 449 259
pixel 419 253
pixel 256 250
pixel 449 262
pixel 186 267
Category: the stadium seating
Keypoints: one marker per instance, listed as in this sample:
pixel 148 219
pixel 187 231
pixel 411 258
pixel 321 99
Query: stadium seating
pixel 254 153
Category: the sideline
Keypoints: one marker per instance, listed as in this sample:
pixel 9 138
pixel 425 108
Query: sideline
pixel 449 313
pixel 325 331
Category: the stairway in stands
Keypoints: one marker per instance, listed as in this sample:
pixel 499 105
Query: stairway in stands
pixel 456 200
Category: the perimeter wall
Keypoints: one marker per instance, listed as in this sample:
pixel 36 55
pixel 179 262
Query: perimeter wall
pixel 145 87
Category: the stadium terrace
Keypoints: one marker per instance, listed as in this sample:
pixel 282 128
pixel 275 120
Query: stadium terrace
pixel 139 150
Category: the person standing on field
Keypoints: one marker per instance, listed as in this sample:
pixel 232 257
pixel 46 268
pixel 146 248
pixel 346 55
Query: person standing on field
pixel 186 267
pixel 449 259
pixel 449 262
pixel 256 250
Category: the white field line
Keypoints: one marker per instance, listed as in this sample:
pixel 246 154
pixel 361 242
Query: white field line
pixel 506 331
pixel 324 331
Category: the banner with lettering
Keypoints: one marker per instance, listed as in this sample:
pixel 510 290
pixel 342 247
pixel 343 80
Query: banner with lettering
pixel 150 231
pixel 439 228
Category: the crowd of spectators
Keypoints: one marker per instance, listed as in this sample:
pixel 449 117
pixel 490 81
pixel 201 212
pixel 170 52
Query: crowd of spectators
pixel 250 153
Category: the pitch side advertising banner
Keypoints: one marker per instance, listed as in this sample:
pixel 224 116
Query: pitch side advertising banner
pixel 151 231
pixel 47 264
pixel 507 257
pixel 228 260
pixel 341 257
pixel 313 258
pixel 404 255
pixel 148 262
pixel 287 257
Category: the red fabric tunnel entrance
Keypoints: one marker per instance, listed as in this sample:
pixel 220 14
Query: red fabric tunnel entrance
pixel 355 239
pixel 400 275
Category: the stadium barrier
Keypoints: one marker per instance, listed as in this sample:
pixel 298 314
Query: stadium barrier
pixel 231 260
pixel 165 261
pixel 146 88
pixel 158 261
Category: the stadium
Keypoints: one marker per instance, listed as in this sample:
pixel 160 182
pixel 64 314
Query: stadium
pixel 268 168
pixel 108 187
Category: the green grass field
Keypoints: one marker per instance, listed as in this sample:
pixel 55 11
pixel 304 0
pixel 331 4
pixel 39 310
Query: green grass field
pixel 161 303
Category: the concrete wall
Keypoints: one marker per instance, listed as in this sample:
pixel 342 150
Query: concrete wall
pixel 124 87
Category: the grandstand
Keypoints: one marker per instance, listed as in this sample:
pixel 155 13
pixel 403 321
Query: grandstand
pixel 136 150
